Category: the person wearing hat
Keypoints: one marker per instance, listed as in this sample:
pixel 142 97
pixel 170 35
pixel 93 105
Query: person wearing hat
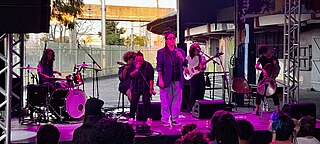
pixel 92 115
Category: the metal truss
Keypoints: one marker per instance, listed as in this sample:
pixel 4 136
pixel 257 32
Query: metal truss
pixel 7 91
pixel 291 51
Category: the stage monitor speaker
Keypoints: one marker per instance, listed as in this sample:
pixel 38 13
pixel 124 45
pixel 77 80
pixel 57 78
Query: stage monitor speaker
pixel 155 111
pixel 204 109
pixel 24 16
pixel 298 110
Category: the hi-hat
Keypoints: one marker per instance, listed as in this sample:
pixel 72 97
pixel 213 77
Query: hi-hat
pixel 84 65
pixel 28 68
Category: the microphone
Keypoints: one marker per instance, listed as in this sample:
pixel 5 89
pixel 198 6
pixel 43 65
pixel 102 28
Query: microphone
pixel 121 63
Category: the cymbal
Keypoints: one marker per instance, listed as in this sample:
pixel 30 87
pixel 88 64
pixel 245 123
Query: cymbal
pixel 84 65
pixel 28 68
pixel 54 79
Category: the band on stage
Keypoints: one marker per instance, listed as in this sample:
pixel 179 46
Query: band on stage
pixel 65 97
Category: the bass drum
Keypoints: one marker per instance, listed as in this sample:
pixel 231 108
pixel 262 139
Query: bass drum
pixel 69 103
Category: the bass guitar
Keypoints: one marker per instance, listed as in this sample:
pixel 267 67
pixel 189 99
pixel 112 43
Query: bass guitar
pixel 192 71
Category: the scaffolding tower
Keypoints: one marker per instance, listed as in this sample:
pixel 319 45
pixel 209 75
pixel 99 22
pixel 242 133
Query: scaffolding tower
pixel 291 51
pixel 10 52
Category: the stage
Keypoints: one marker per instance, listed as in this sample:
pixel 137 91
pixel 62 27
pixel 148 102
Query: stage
pixel 26 133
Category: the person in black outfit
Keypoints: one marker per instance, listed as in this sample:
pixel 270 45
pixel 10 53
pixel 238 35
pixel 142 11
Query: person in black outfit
pixel 124 76
pixel 142 75
pixel 265 58
pixel 197 82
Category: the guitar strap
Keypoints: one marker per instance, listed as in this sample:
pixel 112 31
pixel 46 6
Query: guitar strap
pixel 199 61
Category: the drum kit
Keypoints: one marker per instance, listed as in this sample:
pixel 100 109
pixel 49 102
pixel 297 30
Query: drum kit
pixel 64 101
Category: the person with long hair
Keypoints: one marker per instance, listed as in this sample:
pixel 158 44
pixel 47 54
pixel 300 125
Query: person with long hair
pixel 197 82
pixel 124 76
pixel 265 58
pixel 170 62
pixel 45 69
pixel 227 130
pixel 45 66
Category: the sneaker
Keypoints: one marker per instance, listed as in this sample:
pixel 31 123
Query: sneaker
pixel 165 124
pixel 256 112
pixel 176 123
pixel 131 121
pixel 149 121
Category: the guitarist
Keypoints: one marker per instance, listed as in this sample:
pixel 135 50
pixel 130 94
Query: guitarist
pixel 265 58
pixel 197 82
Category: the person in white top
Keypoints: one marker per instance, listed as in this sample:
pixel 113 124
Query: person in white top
pixel 196 67
pixel 306 131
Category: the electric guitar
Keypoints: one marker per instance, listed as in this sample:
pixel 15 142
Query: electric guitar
pixel 192 71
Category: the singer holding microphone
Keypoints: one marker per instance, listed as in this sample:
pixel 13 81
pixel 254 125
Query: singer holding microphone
pixel 197 81
pixel 142 75
pixel 124 76
pixel 170 62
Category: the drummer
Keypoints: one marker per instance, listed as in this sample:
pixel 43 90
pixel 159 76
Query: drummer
pixel 45 69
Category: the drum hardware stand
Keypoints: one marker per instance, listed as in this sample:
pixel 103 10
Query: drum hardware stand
pixel 49 108
pixel 94 71
pixel 22 119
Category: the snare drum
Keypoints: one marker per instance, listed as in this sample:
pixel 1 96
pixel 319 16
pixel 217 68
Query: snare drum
pixel 69 103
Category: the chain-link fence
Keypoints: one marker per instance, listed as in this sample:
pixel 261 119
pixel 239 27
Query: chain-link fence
pixel 68 55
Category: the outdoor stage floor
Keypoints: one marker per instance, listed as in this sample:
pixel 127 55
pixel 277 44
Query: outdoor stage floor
pixel 27 133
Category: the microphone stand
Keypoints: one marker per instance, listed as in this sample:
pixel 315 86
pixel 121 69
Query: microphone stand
pixel 94 71
pixel 214 68
pixel 225 79
pixel 208 56
pixel 145 127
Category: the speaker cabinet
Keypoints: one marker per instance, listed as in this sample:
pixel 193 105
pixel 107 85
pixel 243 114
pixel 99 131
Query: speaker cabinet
pixel 298 110
pixel 204 109
pixel 24 16
pixel 155 111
